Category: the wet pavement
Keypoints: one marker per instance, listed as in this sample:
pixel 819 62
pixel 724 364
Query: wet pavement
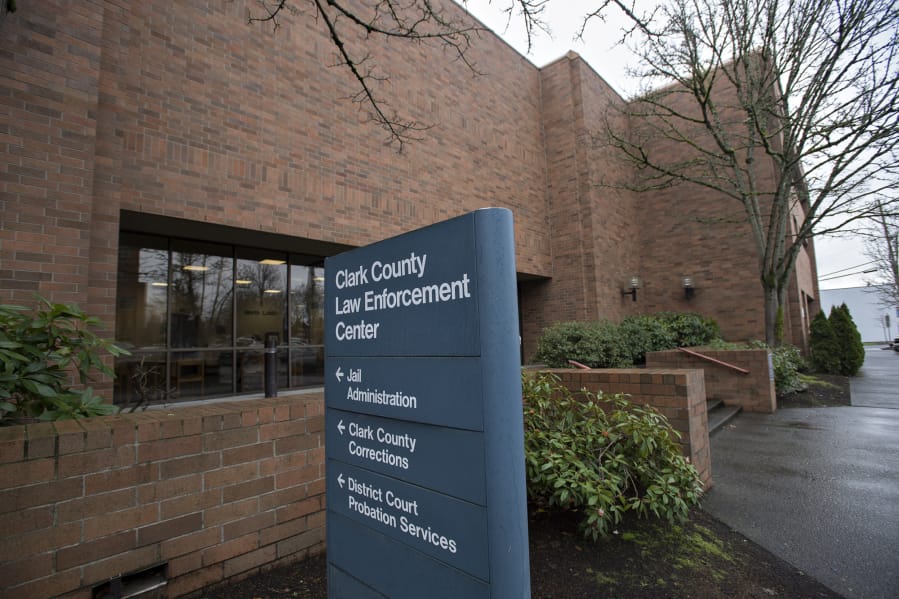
pixel 819 487
pixel 877 385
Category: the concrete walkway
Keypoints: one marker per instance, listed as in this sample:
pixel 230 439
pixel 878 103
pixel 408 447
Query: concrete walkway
pixel 819 487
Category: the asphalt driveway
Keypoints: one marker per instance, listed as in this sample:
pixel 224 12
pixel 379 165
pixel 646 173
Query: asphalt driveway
pixel 819 487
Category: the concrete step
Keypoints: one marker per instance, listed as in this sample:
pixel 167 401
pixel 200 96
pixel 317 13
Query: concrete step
pixel 711 404
pixel 719 416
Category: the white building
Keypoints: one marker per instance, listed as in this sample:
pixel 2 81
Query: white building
pixel 875 321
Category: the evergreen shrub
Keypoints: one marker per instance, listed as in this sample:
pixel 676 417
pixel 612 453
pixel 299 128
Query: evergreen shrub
pixel 689 330
pixel 851 350
pixel 604 344
pixel 644 334
pixel 39 352
pixel 595 344
pixel 824 352
pixel 602 456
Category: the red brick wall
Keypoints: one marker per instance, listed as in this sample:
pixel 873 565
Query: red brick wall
pixel 754 392
pixel 189 112
pixel 615 230
pixel 216 492
pixel 679 395
pixel 49 86
pixel 595 236
pixel 693 230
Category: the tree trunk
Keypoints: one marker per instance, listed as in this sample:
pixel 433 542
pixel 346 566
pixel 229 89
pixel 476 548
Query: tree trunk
pixel 771 312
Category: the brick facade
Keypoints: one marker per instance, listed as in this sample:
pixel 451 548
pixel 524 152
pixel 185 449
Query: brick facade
pixel 212 492
pixel 192 114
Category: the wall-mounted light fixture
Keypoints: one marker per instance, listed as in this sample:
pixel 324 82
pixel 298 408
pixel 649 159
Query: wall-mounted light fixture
pixel 689 287
pixel 631 287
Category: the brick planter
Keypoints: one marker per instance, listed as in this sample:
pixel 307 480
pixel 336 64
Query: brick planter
pixel 753 392
pixel 678 394
pixel 210 492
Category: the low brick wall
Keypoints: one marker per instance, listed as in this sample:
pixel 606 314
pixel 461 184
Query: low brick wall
pixel 753 392
pixel 214 492
pixel 678 394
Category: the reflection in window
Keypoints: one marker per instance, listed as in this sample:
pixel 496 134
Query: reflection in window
pixel 196 316
pixel 261 296
pixel 140 381
pixel 307 289
pixel 142 286
pixel 201 295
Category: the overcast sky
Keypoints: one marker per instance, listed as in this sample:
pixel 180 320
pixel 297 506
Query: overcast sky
pixel 610 61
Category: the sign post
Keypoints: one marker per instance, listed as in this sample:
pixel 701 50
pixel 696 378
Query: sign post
pixel 424 433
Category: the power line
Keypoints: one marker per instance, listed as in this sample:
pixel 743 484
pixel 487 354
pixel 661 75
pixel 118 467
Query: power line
pixel 827 274
pixel 850 274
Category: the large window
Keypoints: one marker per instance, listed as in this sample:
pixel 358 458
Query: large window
pixel 196 317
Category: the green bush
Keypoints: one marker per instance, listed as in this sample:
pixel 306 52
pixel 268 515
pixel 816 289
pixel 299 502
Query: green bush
pixel 38 354
pixel 596 344
pixel 642 334
pixel 606 345
pixel 824 351
pixel 688 329
pixel 787 363
pixel 850 349
pixel 603 457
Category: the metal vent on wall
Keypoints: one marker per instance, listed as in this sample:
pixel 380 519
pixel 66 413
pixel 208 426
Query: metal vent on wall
pixel 149 583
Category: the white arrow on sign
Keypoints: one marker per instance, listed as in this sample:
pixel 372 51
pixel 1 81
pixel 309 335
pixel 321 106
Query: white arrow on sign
pixel 340 427
pixel 340 480
pixel 339 375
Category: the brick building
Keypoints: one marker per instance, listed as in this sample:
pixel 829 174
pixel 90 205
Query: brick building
pixel 183 175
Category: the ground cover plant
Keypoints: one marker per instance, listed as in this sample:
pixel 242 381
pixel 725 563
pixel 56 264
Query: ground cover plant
pixel 41 351
pixel 602 457
pixel 788 367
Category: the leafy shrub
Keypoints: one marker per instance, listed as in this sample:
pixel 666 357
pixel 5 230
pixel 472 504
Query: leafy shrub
pixel 643 334
pixel 39 352
pixel 603 457
pixel 850 349
pixel 824 351
pixel 688 329
pixel 787 363
pixel 606 345
pixel 596 344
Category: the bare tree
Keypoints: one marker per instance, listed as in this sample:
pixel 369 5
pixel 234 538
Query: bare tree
pixel 882 247
pixel 350 21
pixel 418 21
pixel 789 107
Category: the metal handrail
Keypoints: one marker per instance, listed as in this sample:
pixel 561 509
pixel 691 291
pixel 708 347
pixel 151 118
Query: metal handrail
pixel 713 360
pixel 577 364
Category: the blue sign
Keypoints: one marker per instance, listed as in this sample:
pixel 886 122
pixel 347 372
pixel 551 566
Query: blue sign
pixel 391 568
pixel 444 392
pixel 451 530
pixel 412 295
pixel 424 435
pixel 445 459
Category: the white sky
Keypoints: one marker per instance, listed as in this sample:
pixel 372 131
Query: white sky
pixel 610 62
